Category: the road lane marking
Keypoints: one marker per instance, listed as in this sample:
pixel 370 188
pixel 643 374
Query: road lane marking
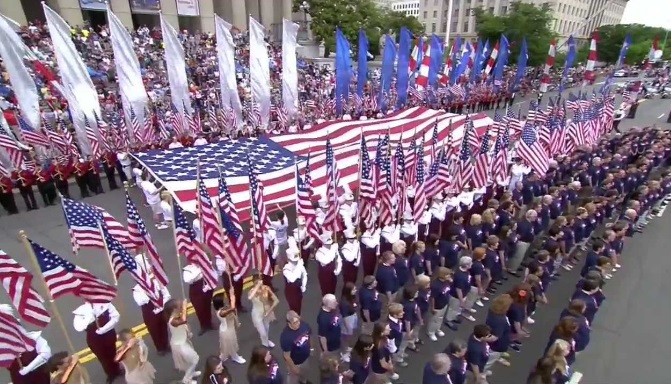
pixel 660 116
pixel 86 356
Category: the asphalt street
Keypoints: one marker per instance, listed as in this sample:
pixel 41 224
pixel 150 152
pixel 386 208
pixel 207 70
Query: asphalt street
pixel 626 333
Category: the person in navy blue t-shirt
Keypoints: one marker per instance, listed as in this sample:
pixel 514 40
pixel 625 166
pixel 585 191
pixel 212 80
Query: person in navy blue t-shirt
pixel 477 353
pixel 435 371
pixel 449 251
pixel 295 344
pixel 576 311
pixel 359 363
pixel 500 328
pixel 370 304
pixel 461 286
pixel 329 325
pixel 263 368
pixel 592 256
pixel 387 279
pixel 381 365
pixel 440 298
pixel 456 350
pixel 587 293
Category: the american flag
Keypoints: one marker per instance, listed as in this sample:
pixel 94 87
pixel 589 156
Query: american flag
pixel 31 135
pixel 367 190
pixel 331 222
pixel 162 126
pixel 13 150
pixel 55 139
pixel 274 157
pixel 237 244
pixel 177 121
pixel 420 191
pixel 260 221
pixel 465 169
pixel 188 245
pixel 410 162
pixel 212 116
pixel 150 134
pixel 84 221
pixel 14 339
pixel 482 162
pixel 383 181
pixel 103 131
pixel 500 158
pixel 304 204
pixel 63 277
pixel 398 181
pixel 189 121
pixel 531 151
pixel 123 261
pixel 92 137
pixel 141 238
pixel 575 133
pixel 17 281
pixel 434 142
pixel 135 125
pixel 213 237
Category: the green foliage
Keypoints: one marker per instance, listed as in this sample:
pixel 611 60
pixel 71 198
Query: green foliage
pixel 351 16
pixel 611 38
pixel 522 21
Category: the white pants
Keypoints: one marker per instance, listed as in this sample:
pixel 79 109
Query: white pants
pixel 262 326
pixel 493 358
pixel 471 298
pixel 436 320
pixel 453 309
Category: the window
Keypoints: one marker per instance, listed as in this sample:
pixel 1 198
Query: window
pixel 443 27
pixel 454 27
pixel 426 3
pixel 435 14
pixel 425 14
pixel 433 27
pixel 466 26
pixel 504 10
pixel 491 10
pixel 435 3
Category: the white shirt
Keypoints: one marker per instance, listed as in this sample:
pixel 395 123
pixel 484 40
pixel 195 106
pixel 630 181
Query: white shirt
pixel 326 255
pixel 438 211
pixel 87 313
pixel 200 141
pixel 175 144
pixel 517 173
pixel 281 228
pixel 43 353
pixel 167 210
pixel 124 159
pixel 196 228
pixel 351 252
pixel 293 272
pixel 371 239
pixel 141 298
pixel 150 192
pixel 391 234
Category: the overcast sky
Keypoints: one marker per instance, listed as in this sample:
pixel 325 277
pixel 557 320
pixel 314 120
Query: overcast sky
pixel 656 13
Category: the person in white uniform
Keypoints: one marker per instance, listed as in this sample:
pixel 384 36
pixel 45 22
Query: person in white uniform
pixel 153 198
pixel 304 241
pixel 348 211
pixel 153 317
pixel 200 294
pixel 320 211
pixel 24 369
pixel 351 255
pixel 281 227
pixel 98 321
pixel 330 264
pixel 408 230
pixel 295 280
pixel 390 234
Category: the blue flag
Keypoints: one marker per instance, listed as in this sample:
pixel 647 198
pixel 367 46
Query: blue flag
pixel 570 59
pixel 343 69
pixel 388 59
pixel 436 60
pixel 403 67
pixel 623 51
pixel 475 72
pixel 362 67
pixel 501 62
pixel 464 55
pixel 456 50
pixel 521 64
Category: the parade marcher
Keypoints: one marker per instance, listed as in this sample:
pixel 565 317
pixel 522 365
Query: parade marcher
pixel 329 327
pixel 29 367
pixel 45 184
pixel 295 280
pixel 389 235
pixel 477 354
pixel 438 211
pixel 152 196
pixel 359 363
pixel 62 172
pixel 320 211
pixel 228 338
pixel 281 227
pixel 382 366
pixel 348 210
pixel 109 166
pixel 435 371
pixel 99 320
pixel 7 196
pixel 263 368
pixel 133 355
pixel 295 344
pixel 500 327
pixel 408 230
pixel 272 249
pixel 93 177
pixel 184 356
pixel 387 280
pixel 370 248
pixel 124 162
pixel 154 318
pixel 64 369
pixel 303 239
pixel 330 264
pixel 439 299
pixel 461 286
pixel 351 254
pixel 200 295
pixel 264 301
pixel 25 180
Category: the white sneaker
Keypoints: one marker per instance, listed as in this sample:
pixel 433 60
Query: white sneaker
pixel 344 357
pixel 395 376
pixel 479 303
pixel 471 310
pixel 270 344
pixel 468 317
pixel 197 373
pixel 238 359
pixel 485 298
pixel 530 320
pixel 567 267
pixel 440 333
pixel 432 336
pixel 618 266
pixel 609 276
pixel 162 226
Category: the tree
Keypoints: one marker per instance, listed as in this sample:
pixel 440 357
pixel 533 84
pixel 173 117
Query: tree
pixel 611 38
pixel 522 21
pixel 351 16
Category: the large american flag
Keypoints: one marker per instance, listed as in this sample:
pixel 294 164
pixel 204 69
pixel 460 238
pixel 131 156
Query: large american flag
pixel 188 245
pixel 274 156
pixel 331 222
pixel 237 243
pixel 482 161
pixel 419 204
pixel 84 221
pixel 123 261
pixel 14 339
pixel 499 167
pixel 529 148
pixel 367 191
pixel 208 215
pixel 63 277
pixel 17 282
pixel 465 168
pixel 9 144
pixel 260 221
pixel 92 137
pixel 141 238
pixel 439 174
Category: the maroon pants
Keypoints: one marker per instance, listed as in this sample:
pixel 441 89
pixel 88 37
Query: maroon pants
pixel 104 347
pixel 37 376
pixel 327 279
pixel 408 240
pixel 294 295
pixel 202 304
pixel 350 272
pixel 157 326
pixel 368 260
pixel 305 255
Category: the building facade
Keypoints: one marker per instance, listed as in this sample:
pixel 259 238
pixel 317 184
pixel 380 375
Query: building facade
pixel 577 17
pixel 409 7
pixel 193 15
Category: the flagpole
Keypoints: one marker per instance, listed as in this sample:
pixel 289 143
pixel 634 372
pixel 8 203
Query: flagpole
pixel 122 306
pixel 256 245
pixel 358 190
pixel 174 239
pixel 54 308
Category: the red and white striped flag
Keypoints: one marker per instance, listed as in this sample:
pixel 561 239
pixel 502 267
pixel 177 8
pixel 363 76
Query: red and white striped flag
pixel 213 237
pixel 481 171
pixel 499 167
pixel 188 245
pixel 420 190
pixel 331 222
pixel 14 339
pixel 422 80
pixel 367 192
pixel 492 60
pixel 590 75
pixel 304 204
pixel 17 281
pixel 260 221
pixel 549 62
pixel 230 221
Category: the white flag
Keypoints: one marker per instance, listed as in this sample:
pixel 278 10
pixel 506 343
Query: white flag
pixel 128 73
pixel 226 58
pixel 77 85
pixel 11 51
pixel 176 67
pixel 259 70
pixel 289 66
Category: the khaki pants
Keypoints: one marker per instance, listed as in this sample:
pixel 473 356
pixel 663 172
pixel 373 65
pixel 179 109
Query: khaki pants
pixel 453 309
pixel 471 298
pixel 493 358
pixel 408 340
pixel 515 261
pixel 436 320
pixel 301 376
pixel 378 378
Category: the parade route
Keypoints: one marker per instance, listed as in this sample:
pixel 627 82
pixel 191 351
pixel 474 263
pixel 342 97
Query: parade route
pixel 46 226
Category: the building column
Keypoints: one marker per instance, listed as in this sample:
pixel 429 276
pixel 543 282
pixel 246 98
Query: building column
pixel 121 9
pixel 169 12
pixel 286 9
pixel 206 18
pixel 267 13
pixel 253 10
pixel 69 10
pixel 239 15
pixel 13 11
